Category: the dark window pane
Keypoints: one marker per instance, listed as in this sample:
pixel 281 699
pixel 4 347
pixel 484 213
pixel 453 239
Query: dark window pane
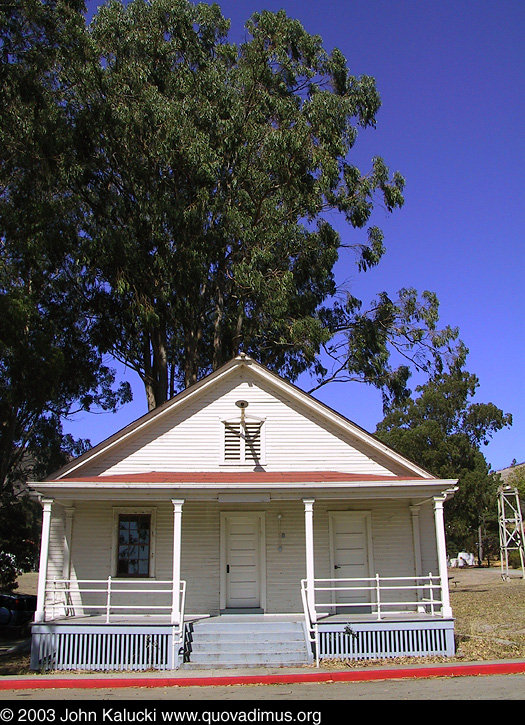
pixel 134 535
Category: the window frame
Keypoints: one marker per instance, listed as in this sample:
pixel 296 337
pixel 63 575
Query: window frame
pixel 133 511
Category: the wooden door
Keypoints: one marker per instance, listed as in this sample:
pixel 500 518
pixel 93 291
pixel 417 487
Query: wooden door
pixel 243 560
pixel 351 558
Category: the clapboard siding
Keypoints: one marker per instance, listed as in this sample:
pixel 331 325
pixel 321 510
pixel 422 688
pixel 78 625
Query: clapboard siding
pixel 428 539
pixel 190 438
pixel 200 565
pixel 285 555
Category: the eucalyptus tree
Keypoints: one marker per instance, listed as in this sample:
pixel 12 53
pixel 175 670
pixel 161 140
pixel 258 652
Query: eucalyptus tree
pixel 211 172
pixel 48 364
pixel 444 431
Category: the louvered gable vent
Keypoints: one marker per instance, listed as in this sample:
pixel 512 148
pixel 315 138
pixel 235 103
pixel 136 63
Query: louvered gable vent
pixel 243 441
pixel 232 442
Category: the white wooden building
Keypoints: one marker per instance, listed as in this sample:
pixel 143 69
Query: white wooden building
pixel 241 523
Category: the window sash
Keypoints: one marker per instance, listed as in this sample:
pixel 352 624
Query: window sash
pixel 134 545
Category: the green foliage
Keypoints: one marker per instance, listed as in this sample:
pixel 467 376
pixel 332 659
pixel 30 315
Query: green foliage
pixel 443 432
pixel 189 186
pixel 48 365
pixel 19 535
pixel 209 173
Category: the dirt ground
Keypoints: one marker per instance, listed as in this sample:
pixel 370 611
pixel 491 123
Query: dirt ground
pixel 489 614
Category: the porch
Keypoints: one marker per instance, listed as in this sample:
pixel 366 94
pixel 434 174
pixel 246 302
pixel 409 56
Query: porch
pixel 241 553
pixel 90 627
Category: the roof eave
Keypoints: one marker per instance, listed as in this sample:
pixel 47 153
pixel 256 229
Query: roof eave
pixel 95 490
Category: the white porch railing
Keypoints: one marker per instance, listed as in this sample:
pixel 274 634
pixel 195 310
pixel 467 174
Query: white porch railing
pixel 376 594
pixel 129 599
pixel 110 597
pixel 381 596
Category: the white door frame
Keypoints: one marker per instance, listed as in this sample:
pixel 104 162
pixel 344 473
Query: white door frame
pixel 260 517
pixel 367 517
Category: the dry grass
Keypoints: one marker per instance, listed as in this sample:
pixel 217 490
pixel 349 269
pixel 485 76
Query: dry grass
pixel 490 617
pixel 490 623
pixel 490 620
pixel 15 664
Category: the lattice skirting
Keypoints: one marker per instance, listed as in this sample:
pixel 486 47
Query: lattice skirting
pixel 101 648
pixel 378 640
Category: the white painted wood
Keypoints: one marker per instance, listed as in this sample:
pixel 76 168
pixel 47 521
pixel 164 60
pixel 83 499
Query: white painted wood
pixel 310 549
pixel 176 557
pixel 284 549
pixel 243 560
pixel 243 441
pixel 351 554
pixel 416 536
pixel 44 555
pixel 228 385
pixel 191 438
pixel 284 545
pixel 66 564
pixel 442 553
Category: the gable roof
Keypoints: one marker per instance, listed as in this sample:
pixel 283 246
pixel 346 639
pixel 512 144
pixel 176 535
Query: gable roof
pixel 404 467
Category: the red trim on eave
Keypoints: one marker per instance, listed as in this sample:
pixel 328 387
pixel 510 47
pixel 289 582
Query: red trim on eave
pixel 238 477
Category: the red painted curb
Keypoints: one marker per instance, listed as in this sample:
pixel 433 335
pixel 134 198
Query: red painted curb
pixel 41 683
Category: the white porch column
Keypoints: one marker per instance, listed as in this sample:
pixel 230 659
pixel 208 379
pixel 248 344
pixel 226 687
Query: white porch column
pixel 44 555
pixel 442 553
pixel 177 545
pixel 66 564
pixel 309 538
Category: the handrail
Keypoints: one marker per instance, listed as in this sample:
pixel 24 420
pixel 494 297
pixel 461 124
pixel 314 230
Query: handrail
pixel 68 589
pixel 178 641
pixel 312 630
pixel 424 587
pixel 64 592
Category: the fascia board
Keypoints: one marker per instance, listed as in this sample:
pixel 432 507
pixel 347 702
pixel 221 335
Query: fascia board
pixel 165 491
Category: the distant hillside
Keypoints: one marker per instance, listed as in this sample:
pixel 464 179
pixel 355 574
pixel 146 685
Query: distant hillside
pixel 506 472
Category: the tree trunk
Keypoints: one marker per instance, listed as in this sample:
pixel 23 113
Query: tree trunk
pixel 160 365
pixel 217 328
pixel 191 362
pixel 155 360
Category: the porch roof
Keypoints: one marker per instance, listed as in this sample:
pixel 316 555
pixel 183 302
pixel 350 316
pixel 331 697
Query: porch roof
pixel 240 477
pixel 266 485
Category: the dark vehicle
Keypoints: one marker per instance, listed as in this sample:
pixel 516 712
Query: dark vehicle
pixel 17 609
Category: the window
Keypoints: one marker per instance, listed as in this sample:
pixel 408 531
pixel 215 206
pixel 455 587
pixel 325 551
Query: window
pixel 243 441
pixel 133 542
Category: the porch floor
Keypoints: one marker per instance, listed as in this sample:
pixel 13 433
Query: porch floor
pixel 156 619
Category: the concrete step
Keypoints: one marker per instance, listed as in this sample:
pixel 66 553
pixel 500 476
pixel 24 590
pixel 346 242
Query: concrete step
pixel 214 660
pixel 210 625
pixel 232 643
pixel 270 637
pixel 255 646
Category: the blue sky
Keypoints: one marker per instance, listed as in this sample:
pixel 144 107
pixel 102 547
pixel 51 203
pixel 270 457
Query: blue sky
pixel 451 76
